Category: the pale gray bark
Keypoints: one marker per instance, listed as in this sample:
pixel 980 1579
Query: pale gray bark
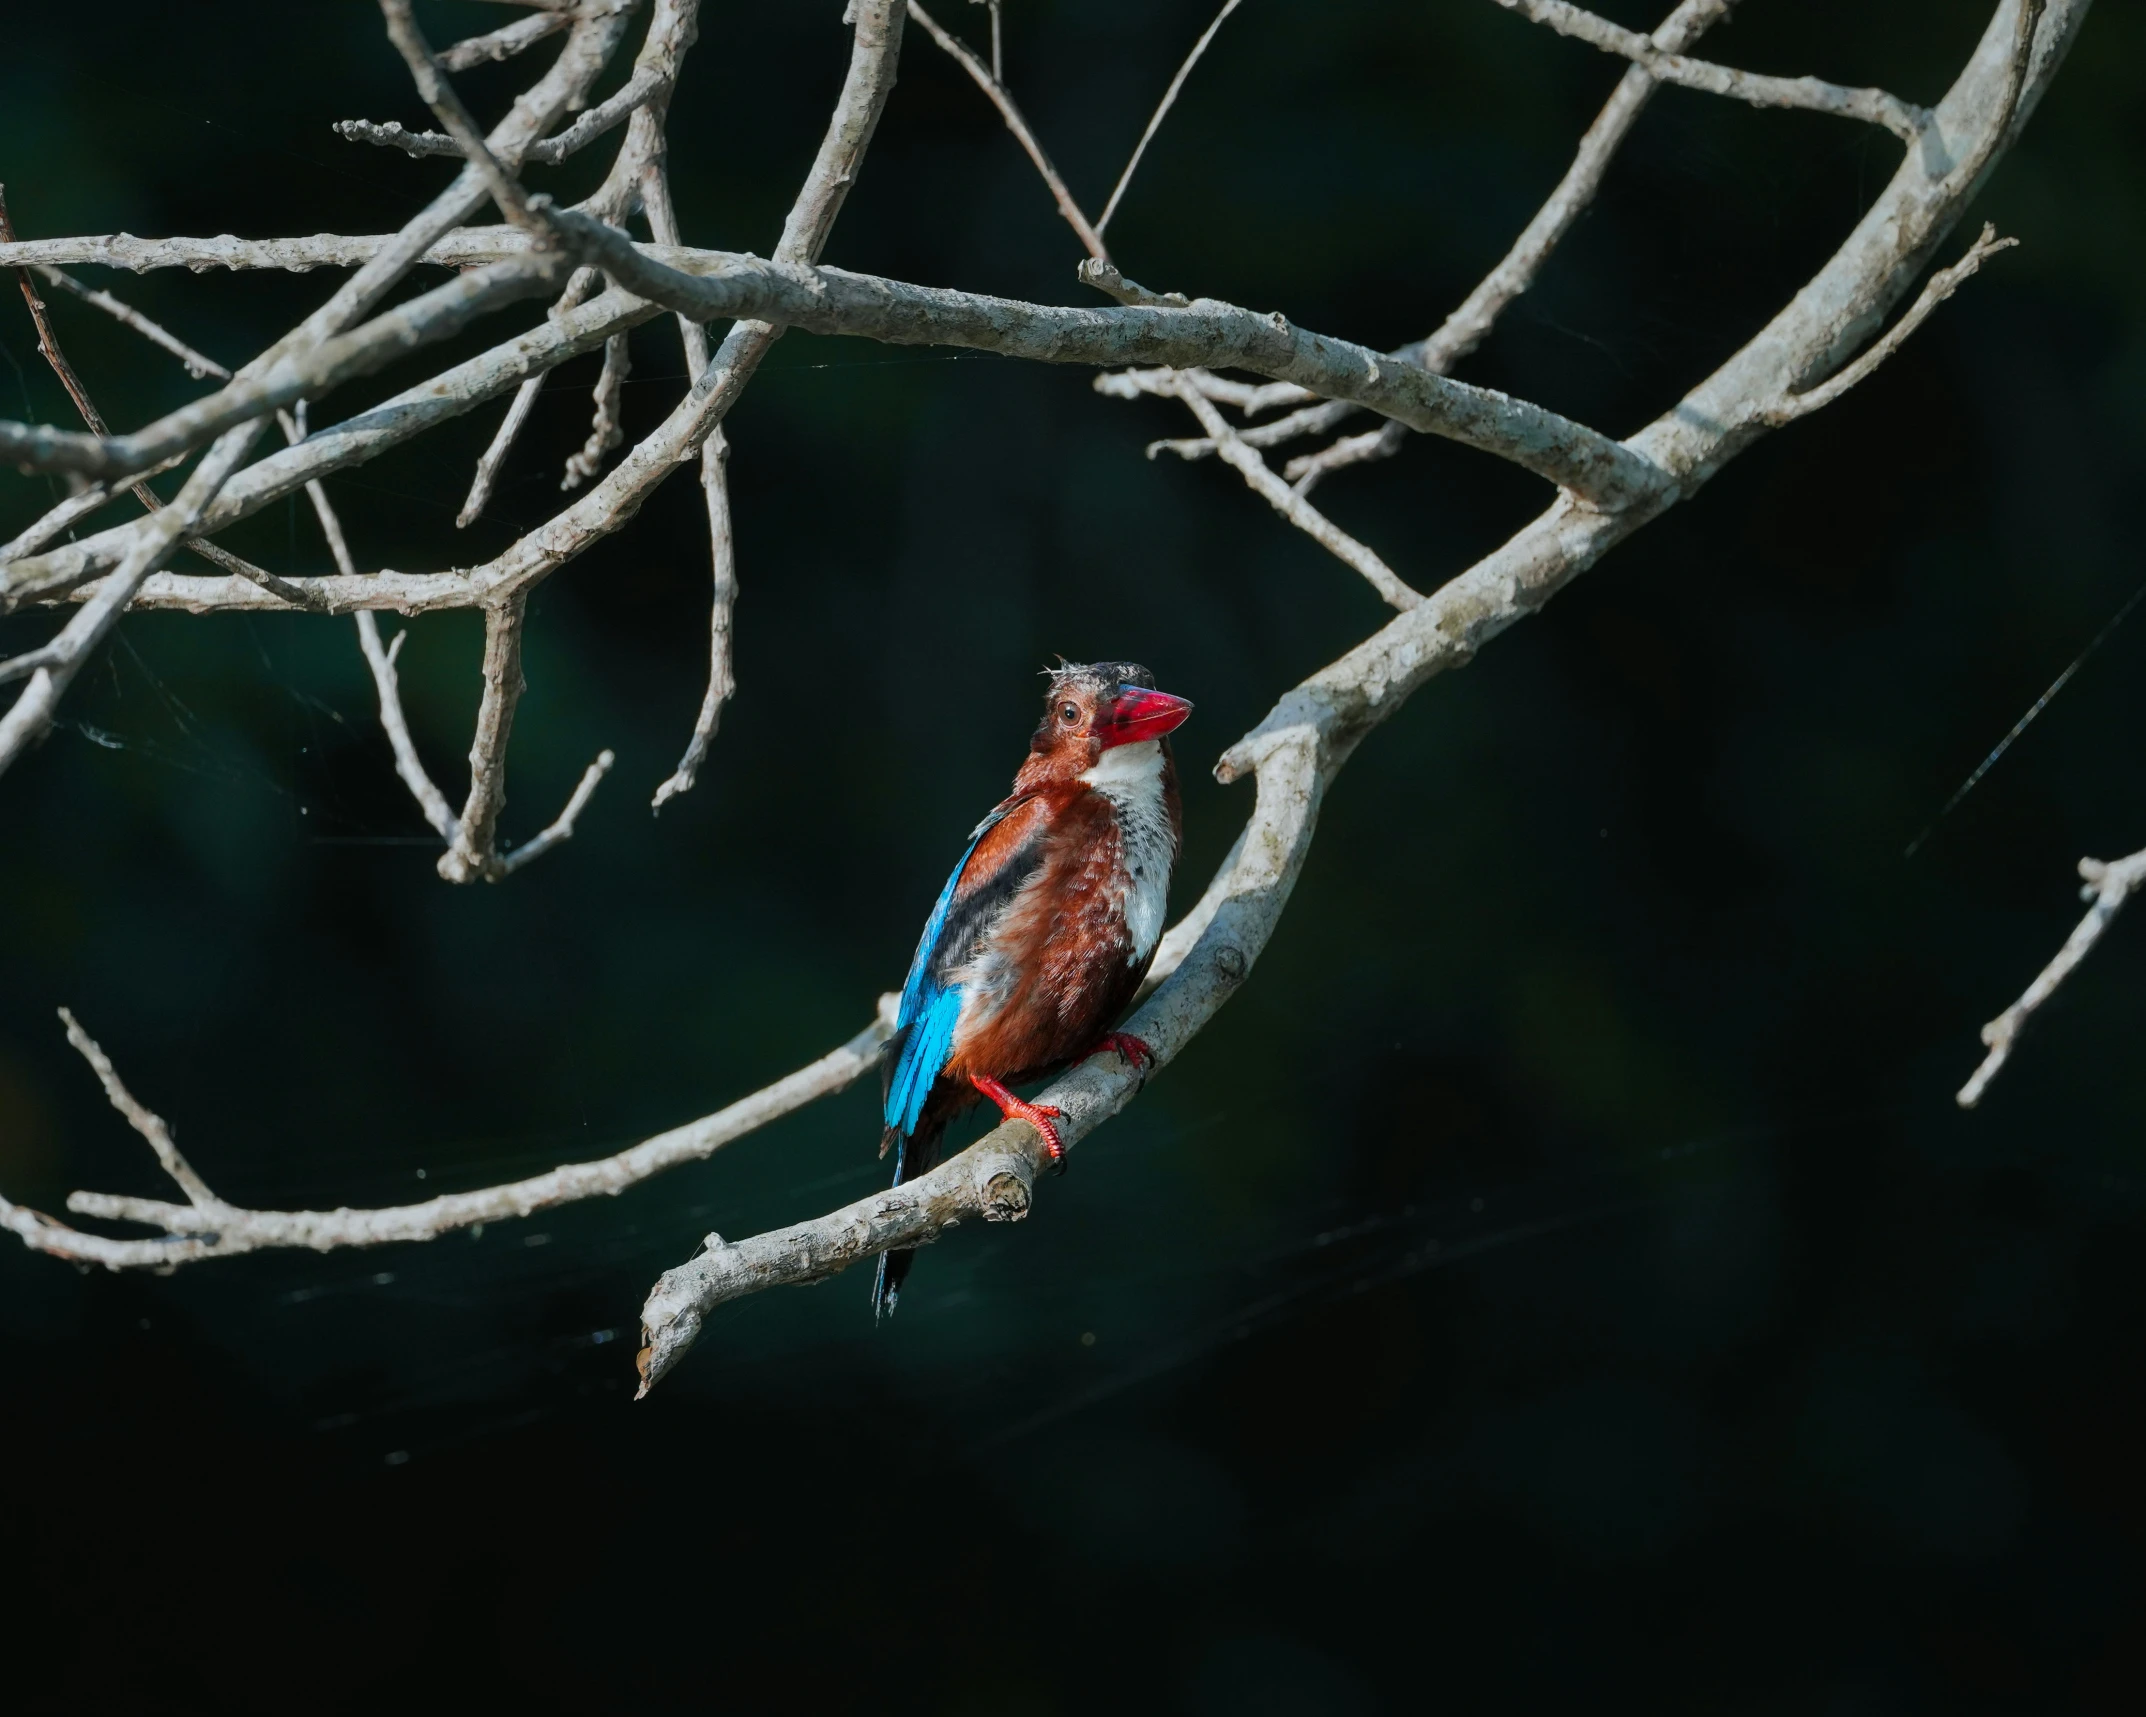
pixel 1294 754
pixel 1607 489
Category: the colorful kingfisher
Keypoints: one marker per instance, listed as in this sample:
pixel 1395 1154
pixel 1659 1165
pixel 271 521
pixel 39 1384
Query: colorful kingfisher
pixel 1044 931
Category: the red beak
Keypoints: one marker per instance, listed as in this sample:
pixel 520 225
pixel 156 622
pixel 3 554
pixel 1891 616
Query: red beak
pixel 1138 714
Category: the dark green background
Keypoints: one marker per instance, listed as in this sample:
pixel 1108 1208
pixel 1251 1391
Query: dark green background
pixel 1561 1275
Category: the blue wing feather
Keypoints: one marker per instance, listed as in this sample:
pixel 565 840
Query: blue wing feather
pixel 930 1010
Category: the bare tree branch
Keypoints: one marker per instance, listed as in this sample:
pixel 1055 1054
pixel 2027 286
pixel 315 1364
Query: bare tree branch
pixel 1298 511
pixel 722 541
pixel 578 291
pixel 1940 287
pixel 210 1228
pixel 1010 112
pixel 486 476
pixel 143 1121
pixel 1208 332
pixel 48 344
pixel 439 95
pixel 1303 742
pixel 2108 886
pixel 1469 325
pixel 1608 489
pixel 392 134
pixel 608 431
pixel 69 513
pixel 287 376
pixel 1162 109
pixel 337 447
pixel 472 847
pixel 503 43
pixel 561 827
pixel 197 365
pixel 1903 119
pixel 408 764
pixel 56 664
pixel 548 153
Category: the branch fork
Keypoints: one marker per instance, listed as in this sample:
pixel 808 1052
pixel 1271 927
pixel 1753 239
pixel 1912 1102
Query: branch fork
pixel 1605 490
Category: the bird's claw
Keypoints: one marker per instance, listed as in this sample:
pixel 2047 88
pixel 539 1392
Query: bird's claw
pixel 1132 1050
pixel 1040 1116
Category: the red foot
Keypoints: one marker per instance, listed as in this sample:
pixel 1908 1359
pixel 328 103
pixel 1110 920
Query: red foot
pixel 1133 1050
pixel 1037 1115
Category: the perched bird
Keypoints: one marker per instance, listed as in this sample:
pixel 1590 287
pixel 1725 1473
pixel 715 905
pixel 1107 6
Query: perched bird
pixel 1042 934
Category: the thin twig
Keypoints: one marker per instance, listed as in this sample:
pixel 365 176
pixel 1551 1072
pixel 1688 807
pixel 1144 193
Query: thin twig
pixel 1941 286
pixel 430 800
pixel 227 1231
pixel 197 365
pixel 715 456
pixel 1903 119
pixel 1169 99
pixel 1010 112
pixel 1298 511
pixel 439 95
pixel 2108 886
pixel 722 540
pixel 31 715
pixel 150 1125
pixel 562 826
pixel 1470 324
pixel 392 134
pixel 1107 279
pixel 71 511
pixel 578 290
pixel 48 344
pixel 608 431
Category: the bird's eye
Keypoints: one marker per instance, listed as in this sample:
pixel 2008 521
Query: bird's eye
pixel 1068 713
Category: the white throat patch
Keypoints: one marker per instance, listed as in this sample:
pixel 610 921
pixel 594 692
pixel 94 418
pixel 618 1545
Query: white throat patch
pixel 1130 777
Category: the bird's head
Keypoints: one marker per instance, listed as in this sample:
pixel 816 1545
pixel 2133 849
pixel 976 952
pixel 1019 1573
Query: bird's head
pixel 1092 707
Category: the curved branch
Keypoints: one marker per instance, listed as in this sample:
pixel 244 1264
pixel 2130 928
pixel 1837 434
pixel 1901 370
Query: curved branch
pixel 208 1227
pixel 1303 742
pixel 1206 332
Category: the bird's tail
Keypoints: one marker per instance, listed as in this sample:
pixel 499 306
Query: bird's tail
pixel 913 1156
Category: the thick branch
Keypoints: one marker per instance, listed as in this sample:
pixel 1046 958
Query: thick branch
pixel 834 301
pixel 1469 325
pixel 1306 738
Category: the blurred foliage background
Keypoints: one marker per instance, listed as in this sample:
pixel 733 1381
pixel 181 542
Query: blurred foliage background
pixel 1561 1273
